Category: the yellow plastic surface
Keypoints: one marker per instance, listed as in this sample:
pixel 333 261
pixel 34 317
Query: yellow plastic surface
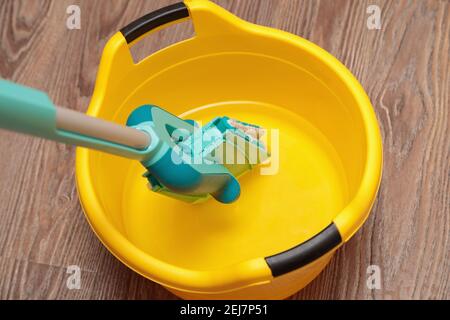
pixel 330 157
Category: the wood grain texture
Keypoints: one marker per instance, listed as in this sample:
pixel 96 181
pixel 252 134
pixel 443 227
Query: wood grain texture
pixel 404 68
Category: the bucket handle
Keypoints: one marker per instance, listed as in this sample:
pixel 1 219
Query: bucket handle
pixel 153 20
pixel 306 252
pixel 207 18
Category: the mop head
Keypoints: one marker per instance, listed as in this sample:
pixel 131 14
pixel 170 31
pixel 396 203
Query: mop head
pixel 199 162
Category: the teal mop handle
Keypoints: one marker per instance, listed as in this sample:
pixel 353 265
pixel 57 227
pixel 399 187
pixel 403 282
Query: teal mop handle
pixel 31 111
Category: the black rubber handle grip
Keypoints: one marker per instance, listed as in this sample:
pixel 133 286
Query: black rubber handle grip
pixel 306 252
pixel 154 20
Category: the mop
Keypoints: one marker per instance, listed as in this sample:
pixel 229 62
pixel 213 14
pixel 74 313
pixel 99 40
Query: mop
pixel 182 159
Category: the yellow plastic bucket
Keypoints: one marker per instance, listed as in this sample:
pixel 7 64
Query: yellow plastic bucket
pixel 284 228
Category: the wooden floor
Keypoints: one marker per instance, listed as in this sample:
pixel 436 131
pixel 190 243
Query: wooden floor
pixel 404 68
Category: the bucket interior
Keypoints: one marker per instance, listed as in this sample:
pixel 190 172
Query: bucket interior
pixel 321 160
